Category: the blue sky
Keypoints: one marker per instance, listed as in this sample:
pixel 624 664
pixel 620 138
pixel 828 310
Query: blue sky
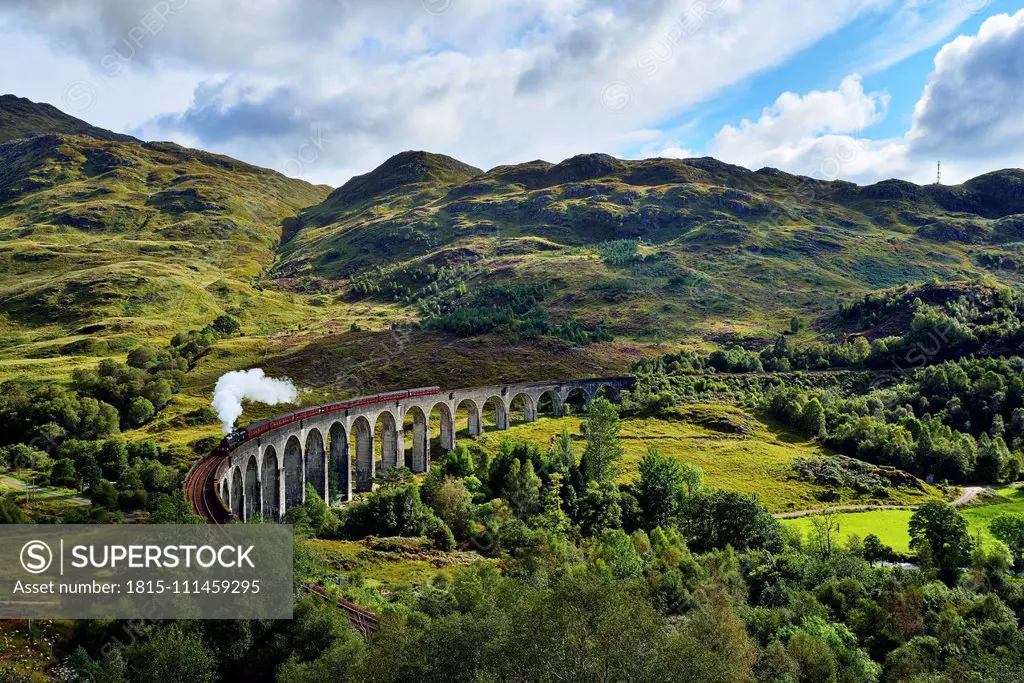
pixel 324 89
pixel 823 65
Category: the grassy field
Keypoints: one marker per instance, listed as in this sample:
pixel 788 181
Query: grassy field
pixel 36 506
pixel 387 562
pixel 891 525
pixel 738 451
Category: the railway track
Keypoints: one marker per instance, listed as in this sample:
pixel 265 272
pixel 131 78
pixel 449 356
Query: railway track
pixel 360 619
pixel 200 490
pixel 200 485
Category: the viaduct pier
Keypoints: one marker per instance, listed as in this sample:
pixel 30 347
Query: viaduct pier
pixel 338 448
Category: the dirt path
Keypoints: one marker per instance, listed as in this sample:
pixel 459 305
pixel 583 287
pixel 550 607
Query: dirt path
pixel 969 494
pixel 45 493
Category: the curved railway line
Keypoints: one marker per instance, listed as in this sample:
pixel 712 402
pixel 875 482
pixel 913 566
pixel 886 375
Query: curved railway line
pixel 200 483
pixel 201 491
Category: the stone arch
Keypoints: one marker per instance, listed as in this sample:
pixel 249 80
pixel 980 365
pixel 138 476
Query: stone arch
pixel 294 479
pixel 316 462
pixel 419 460
pixel 365 458
pixel 550 403
pixel 522 409
pixel 500 411
pixel 271 485
pixel 224 494
pixel 339 472
pixel 576 401
pixel 473 420
pixel 237 497
pixel 606 391
pixel 446 422
pixel 391 446
pixel 252 489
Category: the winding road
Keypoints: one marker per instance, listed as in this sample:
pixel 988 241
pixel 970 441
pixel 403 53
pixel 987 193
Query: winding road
pixel 43 493
pixel 969 494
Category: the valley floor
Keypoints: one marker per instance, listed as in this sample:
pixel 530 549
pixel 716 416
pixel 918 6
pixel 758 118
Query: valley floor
pixel 891 525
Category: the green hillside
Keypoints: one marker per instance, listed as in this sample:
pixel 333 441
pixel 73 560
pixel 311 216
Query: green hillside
pixel 20 118
pixel 427 270
pixel 105 240
pixel 647 250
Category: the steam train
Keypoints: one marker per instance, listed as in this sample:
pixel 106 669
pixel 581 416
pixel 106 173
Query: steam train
pixel 243 434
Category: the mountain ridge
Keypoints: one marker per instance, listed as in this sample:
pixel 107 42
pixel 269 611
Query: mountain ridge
pixel 107 238
pixel 21 117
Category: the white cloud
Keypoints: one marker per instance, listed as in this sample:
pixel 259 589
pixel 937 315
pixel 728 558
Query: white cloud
pixel 794 125
pixel 489 81
pixel 969 117
pixel 972 105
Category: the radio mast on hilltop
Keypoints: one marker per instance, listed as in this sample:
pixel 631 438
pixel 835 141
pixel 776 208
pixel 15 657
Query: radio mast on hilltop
pixel 938 173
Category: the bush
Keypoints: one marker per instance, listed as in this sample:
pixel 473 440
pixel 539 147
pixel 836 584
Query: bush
pixel 226 326
pixel 140 411
pixel 105 495
pixel 129 501
pixel 438 532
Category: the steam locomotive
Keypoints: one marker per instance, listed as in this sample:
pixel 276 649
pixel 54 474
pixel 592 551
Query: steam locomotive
pixel 243 434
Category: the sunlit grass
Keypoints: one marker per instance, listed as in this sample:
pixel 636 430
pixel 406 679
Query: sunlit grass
pixel 759 462
pixel 891 525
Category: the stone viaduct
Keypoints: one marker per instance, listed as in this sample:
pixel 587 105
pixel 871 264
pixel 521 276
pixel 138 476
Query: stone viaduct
pixel 269 473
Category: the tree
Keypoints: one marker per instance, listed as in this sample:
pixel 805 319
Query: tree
pixel 452 502
pixel 172 654
pixel 140 411
pixel 661 487
pixel 226 326
pixel 715 518
pixel 313 515
pixel 826 528
pixel 522 489
pixel 616 554
pixel 552 518
pixel 113 459
pixel 604 450
pixel 88 470
pixel 993 456
pixel 158 392
pixel 875 550
pixel 1009 528
pixel 812 419
pixel 459 462
pixel 63 473
pixel 693 477
pixel 945 532
pixel 105 495
pixel 598 508
pixel 562 455
pixel 174 509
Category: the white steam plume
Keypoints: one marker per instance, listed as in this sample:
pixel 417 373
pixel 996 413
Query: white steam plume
pixel 252 385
